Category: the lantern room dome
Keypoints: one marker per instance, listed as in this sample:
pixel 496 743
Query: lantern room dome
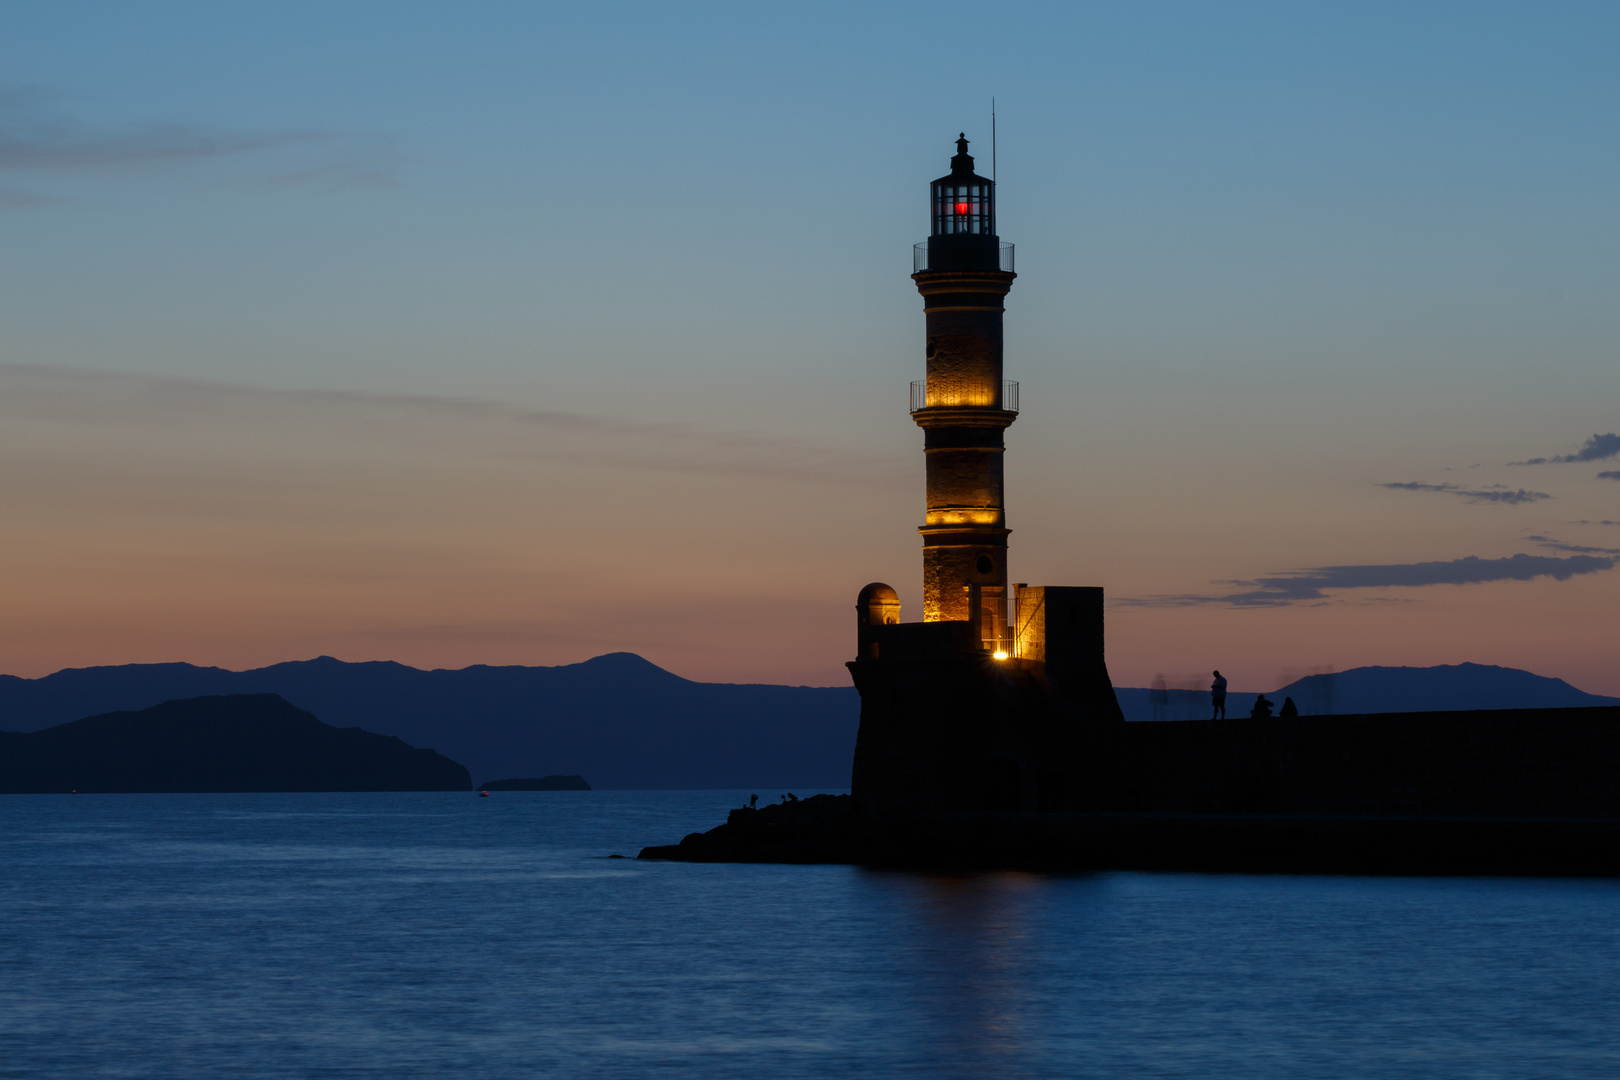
pixel 962 166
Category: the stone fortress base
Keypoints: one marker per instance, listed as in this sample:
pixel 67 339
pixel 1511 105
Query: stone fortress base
pixel 1521 791
pixel 967 761
pixel 990 735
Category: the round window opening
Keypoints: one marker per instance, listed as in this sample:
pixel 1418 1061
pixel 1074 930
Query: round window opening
pixel 984 564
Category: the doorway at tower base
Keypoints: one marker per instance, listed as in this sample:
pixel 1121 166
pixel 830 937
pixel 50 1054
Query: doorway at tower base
pixel 946 725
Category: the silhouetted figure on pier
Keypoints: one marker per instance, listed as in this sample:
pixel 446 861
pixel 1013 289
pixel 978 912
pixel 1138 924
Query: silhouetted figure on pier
pixel 753 801
pixel 1217 697
pixel 1289 709
pixel 1262 708
pixel 1158 696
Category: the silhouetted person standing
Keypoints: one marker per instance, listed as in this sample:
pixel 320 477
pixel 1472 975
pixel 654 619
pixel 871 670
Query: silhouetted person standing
pixel 1158 697
pixel 1217 696
pixel 1289 709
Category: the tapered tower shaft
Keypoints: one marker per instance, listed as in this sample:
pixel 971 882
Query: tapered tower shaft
pixel 964 274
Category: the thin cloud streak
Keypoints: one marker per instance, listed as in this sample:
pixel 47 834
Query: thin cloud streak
pixel 1578 549
pixel 1503 496
pixel 13 198
pixel 1312 586
pixel 1597 448
pixel 38 136
pixel 336 177
pixel 76 396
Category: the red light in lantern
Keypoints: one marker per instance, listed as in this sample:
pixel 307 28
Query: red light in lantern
pixel 961 208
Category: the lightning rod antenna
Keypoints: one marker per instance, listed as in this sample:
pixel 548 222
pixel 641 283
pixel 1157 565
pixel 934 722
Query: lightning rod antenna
pixel 992 140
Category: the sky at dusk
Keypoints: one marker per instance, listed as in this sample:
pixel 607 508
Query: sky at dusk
pixel 517 333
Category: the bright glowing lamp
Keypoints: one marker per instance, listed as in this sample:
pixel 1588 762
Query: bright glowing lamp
pixel 999 655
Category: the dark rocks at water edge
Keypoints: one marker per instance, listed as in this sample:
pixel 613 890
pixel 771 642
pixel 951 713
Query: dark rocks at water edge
pixel 1510 791
pixel 829 829
pixel 537 783
pixel 234 743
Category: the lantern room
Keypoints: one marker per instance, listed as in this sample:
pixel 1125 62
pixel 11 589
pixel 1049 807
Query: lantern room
pixel 964 202
pixel 963 211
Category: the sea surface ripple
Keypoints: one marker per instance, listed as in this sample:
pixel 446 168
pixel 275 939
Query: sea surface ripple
pixel 444 935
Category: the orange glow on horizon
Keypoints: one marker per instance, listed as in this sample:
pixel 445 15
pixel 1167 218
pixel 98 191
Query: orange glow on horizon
pixel 274 525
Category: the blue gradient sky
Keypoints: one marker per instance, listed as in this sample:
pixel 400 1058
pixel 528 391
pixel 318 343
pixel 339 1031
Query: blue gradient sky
pixel 516 333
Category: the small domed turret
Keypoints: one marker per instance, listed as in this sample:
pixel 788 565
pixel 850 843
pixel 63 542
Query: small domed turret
pixel 878 605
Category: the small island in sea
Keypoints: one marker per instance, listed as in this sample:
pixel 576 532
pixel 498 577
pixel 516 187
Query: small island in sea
pixel 537 783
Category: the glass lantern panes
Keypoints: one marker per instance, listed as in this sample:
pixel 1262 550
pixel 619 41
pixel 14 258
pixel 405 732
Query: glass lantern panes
pixel 964 208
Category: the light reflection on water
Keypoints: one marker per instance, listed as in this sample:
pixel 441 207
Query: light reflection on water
pixel 970 945
pixel 445 935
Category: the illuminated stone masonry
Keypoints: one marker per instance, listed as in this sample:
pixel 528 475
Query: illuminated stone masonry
pixel 990 736
pixel 964 710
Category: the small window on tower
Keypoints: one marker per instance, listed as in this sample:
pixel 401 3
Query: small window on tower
pixel 984 564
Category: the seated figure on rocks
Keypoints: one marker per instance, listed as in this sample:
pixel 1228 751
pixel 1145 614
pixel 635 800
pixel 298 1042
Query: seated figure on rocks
pixel 1262 708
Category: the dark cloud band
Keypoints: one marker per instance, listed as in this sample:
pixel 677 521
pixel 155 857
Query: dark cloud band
pixel 1313 586
pixel 1597 448
pixel 1505 496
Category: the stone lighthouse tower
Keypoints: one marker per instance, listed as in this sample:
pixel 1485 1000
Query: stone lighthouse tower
pixel 964 711
pixel 964 407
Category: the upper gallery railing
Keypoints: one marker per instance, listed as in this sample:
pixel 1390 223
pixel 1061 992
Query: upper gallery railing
pixel 919 258
pixel 922 399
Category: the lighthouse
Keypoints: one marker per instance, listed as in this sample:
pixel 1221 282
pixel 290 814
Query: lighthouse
pixel 964 406
pixel 968 710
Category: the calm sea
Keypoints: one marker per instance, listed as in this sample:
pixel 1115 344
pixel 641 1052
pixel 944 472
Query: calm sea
pixel 444 935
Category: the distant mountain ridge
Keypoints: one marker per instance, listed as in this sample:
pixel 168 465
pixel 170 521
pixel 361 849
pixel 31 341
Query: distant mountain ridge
pixel 1441 688
pixel 617 719
pixel 624 722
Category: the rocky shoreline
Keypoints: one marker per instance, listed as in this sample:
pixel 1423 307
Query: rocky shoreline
pixel 830 829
